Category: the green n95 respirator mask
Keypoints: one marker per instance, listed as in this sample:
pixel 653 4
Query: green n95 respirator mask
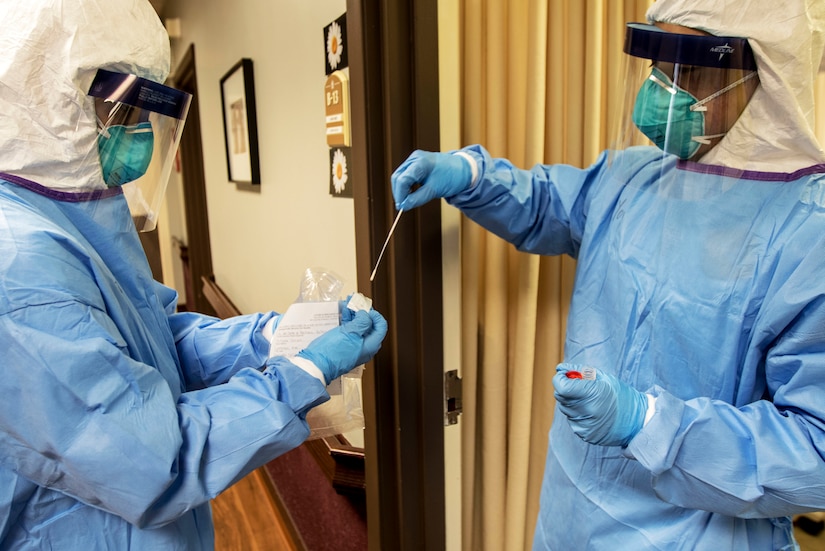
pixel 673 118
pixel 125 152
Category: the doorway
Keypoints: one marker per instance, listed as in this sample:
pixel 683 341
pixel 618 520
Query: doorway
pixel 196 253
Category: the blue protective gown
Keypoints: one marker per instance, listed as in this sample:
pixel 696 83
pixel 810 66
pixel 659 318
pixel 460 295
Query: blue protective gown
pixel 706 288
pixel 120 419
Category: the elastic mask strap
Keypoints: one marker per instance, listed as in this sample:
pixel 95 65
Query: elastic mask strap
pixel 103 126
pixel 700 105
pixel 666 85
pixel 705 140
pixel 140 128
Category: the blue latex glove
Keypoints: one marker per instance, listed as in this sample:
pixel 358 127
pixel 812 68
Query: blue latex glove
pixel 603 411
pixel 439 174
pixel 354 342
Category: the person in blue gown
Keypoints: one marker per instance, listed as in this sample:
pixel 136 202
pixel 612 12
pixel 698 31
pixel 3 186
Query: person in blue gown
pixel 699 293
pixel 120 417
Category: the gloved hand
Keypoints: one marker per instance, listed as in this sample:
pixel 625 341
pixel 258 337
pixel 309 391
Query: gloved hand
pixel 603 411
pixel 351 344
pixel 440 175
pixel 345 313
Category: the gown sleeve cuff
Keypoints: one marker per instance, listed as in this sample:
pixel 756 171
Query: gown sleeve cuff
pixel 657 444
pixel 309 367
pixel 651 408
pixel 268 329
pixel 473 166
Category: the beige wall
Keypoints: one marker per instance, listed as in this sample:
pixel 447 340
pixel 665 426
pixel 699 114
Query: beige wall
pixel 262 242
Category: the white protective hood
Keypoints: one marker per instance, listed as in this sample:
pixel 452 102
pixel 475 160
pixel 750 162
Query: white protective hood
pixel 52 50
pixel 775 133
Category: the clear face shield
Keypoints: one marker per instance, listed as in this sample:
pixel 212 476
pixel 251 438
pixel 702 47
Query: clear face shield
pixel 140 123
pixel 683 92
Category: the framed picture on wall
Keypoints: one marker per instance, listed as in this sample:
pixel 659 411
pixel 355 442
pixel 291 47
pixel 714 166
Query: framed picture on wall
pixel 239 124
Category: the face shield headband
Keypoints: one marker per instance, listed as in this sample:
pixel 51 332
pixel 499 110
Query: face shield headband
pixel 723 52
pixel 665 111
pixel 140 123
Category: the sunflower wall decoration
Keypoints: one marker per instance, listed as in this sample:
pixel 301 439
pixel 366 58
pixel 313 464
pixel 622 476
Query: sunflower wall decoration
pixel 336 100
pixel 335 45
pixel 340 184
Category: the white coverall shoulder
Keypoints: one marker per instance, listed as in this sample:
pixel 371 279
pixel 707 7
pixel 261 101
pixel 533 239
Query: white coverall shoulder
pixel 775 133
pixel 52 50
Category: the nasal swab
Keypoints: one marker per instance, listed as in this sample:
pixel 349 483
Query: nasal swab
pixel 384 248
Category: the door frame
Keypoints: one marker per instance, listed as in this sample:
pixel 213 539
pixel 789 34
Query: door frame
pixel 194 190
pixel 393 49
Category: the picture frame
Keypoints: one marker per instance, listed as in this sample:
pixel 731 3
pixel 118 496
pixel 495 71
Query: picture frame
pixel 240 124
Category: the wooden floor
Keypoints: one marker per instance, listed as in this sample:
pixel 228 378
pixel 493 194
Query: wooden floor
pixel 248 519
pixel 808 542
